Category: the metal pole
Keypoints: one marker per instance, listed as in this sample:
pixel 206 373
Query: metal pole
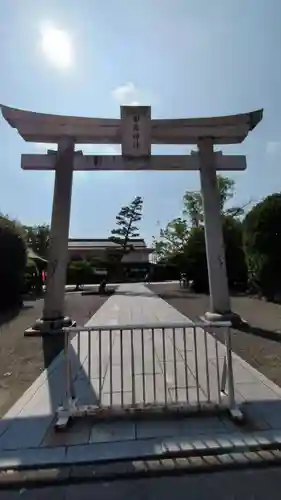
pixel 231 397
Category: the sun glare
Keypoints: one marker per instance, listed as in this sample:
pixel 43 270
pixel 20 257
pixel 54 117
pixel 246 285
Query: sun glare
pixel 57 47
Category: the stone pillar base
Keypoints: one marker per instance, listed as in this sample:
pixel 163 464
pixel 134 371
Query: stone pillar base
pixel 43 326
pixel 230 316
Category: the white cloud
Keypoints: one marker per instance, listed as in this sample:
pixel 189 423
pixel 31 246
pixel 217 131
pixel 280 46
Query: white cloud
pixel 273 147
pixel 126 94
pixel 130 95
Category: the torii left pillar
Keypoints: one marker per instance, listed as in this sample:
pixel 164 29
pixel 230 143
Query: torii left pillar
pixel 53 313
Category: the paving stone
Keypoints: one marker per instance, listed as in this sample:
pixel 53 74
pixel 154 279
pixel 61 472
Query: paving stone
pixel 277 454
pixel 97 452
pixel 172 446
pixel 192 395
pixel 238 440
pixel 186 445
pixel 78 433
pixel 32 457
pixel 87 390
pixel 180 374
pixel 103 452
pixel 256 391
pixel 196 461
pixel 212 444
pixel 239 458
pixel 115 398
pixel 150 429
pixel 26 432
pixel 252 456
pixel 181 462
pixel 225 442
pixel 226 459
pixel 266 455
pixel 202 425
pixel 198 444
pixel 262 439
pixel 251 441
pixel 150 396
pixel 276 436
pixel 211 460
pixel 112 431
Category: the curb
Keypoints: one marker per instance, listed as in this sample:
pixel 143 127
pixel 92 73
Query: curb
pixel 77 474
pixel 172 464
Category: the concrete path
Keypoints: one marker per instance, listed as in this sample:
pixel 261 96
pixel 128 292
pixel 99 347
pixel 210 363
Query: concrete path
pixel 26 431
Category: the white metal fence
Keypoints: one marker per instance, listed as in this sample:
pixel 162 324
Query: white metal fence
pixel 130 369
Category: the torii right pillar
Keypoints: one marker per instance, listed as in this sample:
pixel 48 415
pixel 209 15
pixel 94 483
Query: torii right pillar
pixel 220 308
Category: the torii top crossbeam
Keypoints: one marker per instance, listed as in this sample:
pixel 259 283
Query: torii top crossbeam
pixel 48 128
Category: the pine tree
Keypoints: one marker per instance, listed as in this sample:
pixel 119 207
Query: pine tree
pixel 126 222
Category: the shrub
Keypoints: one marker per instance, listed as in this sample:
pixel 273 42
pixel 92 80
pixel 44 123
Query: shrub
pixel 12 263
pixel 262 242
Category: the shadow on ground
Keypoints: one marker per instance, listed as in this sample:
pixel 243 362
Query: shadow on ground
pixel 12 314
pixel 107 293
pixel 22 359
pixel 274 336
pixel 164 295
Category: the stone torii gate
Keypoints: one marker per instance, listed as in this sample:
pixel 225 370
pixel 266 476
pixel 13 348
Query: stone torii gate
pixel 135 131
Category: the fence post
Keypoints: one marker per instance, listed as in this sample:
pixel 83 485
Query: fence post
pixel 230 381
pixel 64 412
pixel 233 409
pixel 223 376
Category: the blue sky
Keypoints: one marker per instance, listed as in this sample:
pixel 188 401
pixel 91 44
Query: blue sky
pixel 185 58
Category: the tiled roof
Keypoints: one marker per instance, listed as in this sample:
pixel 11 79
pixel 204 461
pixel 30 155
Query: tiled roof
pixel 101 243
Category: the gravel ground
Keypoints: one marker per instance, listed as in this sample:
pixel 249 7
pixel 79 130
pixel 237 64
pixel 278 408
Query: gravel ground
pixel 22 359
pixel 259 343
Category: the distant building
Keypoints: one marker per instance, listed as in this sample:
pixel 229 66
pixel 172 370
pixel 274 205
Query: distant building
pixel 102 249
pixel 103 253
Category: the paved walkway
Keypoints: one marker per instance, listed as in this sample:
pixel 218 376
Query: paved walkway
pixel 26 431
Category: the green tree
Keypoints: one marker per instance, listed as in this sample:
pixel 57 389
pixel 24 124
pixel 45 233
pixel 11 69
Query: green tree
pixel 12 263
pixel 193 260
pixel 172 239
pixel 127 228
pixel 126 222
pixel 262 242
pixel 37 238
pixel 193 202
pixel 193 208
pixel 235 258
